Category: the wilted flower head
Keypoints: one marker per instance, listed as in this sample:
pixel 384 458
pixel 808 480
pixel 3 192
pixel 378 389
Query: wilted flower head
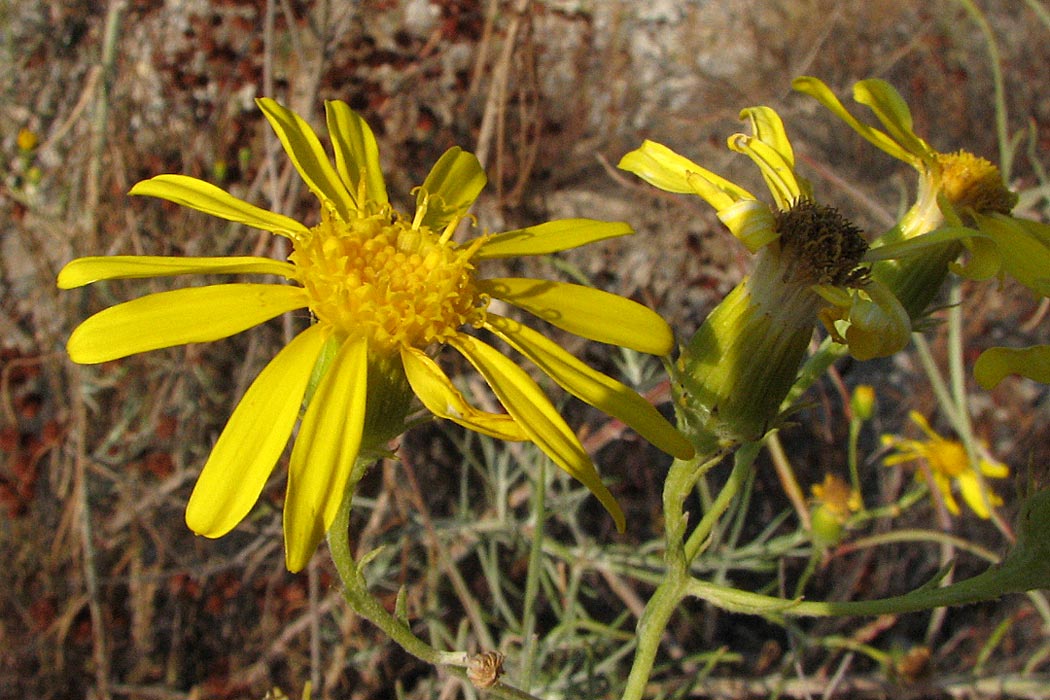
pixel 385 292
pixel 962 204
pixel 808 268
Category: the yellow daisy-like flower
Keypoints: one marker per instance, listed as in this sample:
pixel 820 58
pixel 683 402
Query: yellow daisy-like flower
pixel 962 203
pixel 385 291
pixel 949 463
pixel 808 267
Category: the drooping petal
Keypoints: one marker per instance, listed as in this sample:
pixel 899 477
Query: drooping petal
pixel 450 189
pixel 752 222
pixel 977 497
pixel 307 155
pixel 165 319
pixel 551 237
pixel 253 439
pixel 586 312
pixel 778 172
pixel 768 127
pixel 533 411
pixel 891 109
pixel 661 167
pixel 435 390
pixel 325 449
pixel 203 196
pixel 816 89
pixel 356 155
pixel 944 485
pixel 83 271
pixel 601 391
pixel 995 363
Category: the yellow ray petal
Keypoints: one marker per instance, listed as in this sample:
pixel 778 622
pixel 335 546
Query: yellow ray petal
pixel 661 167
pixel 253 439
pixel 974 495
pixel 768 127
pixel 816 89
pixel 307 155
pixel 206 197
pixel 533 411
pixel 550 237
pixel 450 189
pixel 891 109
pixel 601 391
pixel 356 155
pixel 83 271
pixel 785 186
pixel 441 398
pixel 752 222
pixel 587 312
pixel 165 319
pixel 325 449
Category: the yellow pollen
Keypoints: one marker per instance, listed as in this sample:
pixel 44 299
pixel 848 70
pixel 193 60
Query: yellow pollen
pixel 971 182
pixel 381 278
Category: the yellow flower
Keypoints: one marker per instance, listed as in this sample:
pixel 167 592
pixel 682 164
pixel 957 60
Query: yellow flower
pixel 948 463
pixel 962 202
pixel 740 364
pixel 961 197
pixel 834 502
pixel 385 292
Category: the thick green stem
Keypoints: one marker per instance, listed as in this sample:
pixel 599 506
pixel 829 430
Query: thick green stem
pixel 681 479
pixel 742 461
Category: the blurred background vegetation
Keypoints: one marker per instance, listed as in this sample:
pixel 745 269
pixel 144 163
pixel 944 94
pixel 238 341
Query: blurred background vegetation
pixel 105 593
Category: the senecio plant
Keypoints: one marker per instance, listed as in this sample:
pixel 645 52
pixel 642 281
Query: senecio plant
pixel 386 292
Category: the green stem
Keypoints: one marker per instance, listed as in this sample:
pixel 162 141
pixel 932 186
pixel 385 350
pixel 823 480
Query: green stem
pixel 532 580
pixel 681 479
pixel 742 461
pixel 987 586
pixel 355 590
pixel 651 630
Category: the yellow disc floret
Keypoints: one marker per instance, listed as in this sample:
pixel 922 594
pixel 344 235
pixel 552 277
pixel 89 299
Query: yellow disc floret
pixel 971 182
pixel 384 279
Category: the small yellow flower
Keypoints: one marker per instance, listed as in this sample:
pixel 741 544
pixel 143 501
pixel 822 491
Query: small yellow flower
pixel 837 496
pixel 27 140
pixel 808 267
pixel 834 501
pixel 948 463
pixel 385 292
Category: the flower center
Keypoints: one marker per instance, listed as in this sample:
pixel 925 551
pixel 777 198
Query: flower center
pixel 947 457
pixel 820 245
pixel 970 182
pixel 381 278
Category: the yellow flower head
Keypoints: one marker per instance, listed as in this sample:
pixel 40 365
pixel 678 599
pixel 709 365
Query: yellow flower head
pixel 386 291
pixel 834 501
pixel 740 364
pixel 949 464
pixel 962 203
